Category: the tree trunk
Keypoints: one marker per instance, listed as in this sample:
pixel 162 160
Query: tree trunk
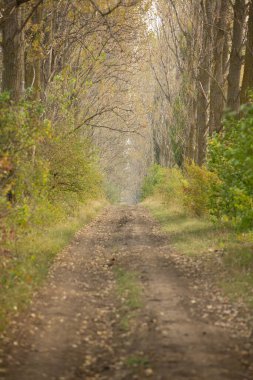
pixel 33 69
pixel 247 83
pixel 13 76
pixel 48 62
pixel 189 151
pixel 217 82
pixel 234 75
pixel 204 82
pixel 191 104
pixel 202 117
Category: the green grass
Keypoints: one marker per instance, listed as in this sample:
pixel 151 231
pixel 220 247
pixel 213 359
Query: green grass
pixel 129 291
pixel 188 235
pixel 30 258
pixel 193 236
pixel 137 361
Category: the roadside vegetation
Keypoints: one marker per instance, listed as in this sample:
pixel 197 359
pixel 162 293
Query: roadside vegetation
pixel 50 187
pixel 209 209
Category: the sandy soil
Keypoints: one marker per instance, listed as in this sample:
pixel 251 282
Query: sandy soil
pixel 74 330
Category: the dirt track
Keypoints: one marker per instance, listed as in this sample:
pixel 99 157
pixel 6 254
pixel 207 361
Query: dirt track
pixel 73 329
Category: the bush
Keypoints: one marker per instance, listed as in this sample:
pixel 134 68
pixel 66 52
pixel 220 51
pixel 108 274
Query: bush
pixel 45 172
pixel 153 179
pixel 230 156
pixel 23 174
pixel 223 190
pixel 171 188
pixel 197 186
pixel 188 189
pixel 74 175
pixel 166 183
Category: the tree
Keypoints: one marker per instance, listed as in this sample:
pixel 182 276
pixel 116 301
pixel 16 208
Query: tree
pixel 13 76
pixel 235 62
pixel 217 93
pixel 247 82
pixel 203 79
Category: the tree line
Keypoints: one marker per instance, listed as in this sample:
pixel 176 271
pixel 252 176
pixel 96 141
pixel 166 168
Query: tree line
pixel 67 102
pixel 201 59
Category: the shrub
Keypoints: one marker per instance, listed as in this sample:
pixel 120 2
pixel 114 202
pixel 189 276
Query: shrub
pixel 23 174
pixel 166 183
pixel 171 188
pixel 189 189
pixel 74 175
pixel 45 172
pixel 230 156
pixel 197 186
pixel 154 177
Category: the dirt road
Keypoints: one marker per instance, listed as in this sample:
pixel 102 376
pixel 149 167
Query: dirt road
pixel 116 307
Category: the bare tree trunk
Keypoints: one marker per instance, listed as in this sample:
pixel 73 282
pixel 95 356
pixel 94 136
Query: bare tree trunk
pixel 226 53
pixel 13 76
pixel 217 83
pixel 247 83
pixel 37 19
pixel 204 82
pixel 191 132
pixel 202 117
pixel 33 69
pixel 192 43
pixel 48 43
pixel 234 76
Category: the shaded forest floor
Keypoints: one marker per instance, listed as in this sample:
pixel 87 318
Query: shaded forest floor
pixel 119 303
